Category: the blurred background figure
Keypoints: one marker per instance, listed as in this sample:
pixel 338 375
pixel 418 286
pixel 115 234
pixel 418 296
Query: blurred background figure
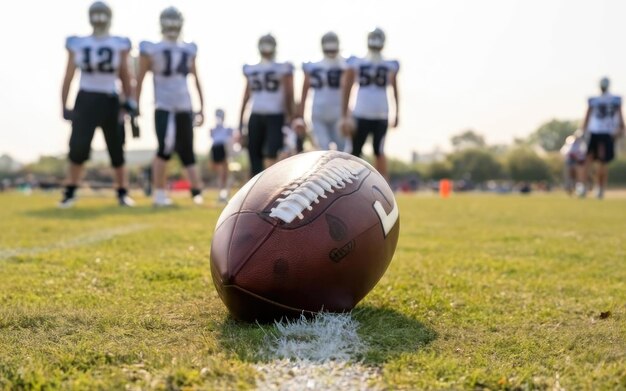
pixel 574 152
pixel 324 77
pixel 374 75
pixel 604 124
pixel 221 137
pixel 102 59
pixel 171 61
pixel 269 90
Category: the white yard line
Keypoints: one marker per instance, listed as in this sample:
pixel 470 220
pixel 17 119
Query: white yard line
pixel 78 241
pixel 316 354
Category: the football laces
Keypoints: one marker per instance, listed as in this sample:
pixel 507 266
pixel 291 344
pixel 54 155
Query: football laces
pixel 336 174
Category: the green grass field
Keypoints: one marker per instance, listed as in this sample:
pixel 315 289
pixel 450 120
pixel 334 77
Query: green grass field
pixel 485 291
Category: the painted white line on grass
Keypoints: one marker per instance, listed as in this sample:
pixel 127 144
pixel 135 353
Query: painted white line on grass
pixel 316 354
pixel 78 241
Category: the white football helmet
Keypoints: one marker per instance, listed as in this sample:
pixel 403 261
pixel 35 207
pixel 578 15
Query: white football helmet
pixel 376 39
pixel 267 45
pixel 330 44
pixel 171 20
pixel 605 83
pixel 100 16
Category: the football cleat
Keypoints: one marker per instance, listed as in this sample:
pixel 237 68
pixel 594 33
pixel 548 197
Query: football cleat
pixel 171 20
pixel 67 202
pixel 126 201
pixel 376 39
pixel 198 199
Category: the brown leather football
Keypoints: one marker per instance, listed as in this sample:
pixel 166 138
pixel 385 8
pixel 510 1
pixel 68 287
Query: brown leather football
pixel 313 232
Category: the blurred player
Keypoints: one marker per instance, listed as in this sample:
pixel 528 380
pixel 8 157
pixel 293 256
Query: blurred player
pixel 325 79
pixel 171 60
pixel 221 136
pixel 373 74
pixel 102 59
pixel 574 152
pixel 269 90
pixel 604 123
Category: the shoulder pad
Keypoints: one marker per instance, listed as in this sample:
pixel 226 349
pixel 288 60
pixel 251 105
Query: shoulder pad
pixel 306 67
pixel 352 61
pixel 123 42
pixel 287 68
pixel 146 48
pixel 71 42
pixel 394 65
pixel 192 48
pixel 617 100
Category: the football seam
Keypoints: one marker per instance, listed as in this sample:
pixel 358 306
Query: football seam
pixel 265 299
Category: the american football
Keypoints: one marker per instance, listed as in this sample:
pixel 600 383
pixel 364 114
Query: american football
pixel 313 232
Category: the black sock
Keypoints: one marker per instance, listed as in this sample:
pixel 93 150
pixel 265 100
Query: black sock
pixel 195 192
pixel 69 191
pixel 121 192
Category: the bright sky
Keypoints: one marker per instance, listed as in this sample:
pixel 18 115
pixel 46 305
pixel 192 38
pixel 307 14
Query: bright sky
pixel 501 67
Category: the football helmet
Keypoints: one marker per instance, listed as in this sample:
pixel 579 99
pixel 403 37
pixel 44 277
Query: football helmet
pixel 605 83
pixel 100 16
pixel 330 43
pixel 171 20
pixel 267 45
pixel 376 39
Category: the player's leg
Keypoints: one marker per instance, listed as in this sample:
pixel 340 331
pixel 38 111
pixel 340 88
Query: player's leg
pixel 380 132
pixel 220 166
pixel 321 133
pixel 606 153
pixel 165 132
pixel 360 136
pixel 184 150
pixel 84 124
pixel 256 139
pixel 114 138
pixel 274 138
pixel 592 154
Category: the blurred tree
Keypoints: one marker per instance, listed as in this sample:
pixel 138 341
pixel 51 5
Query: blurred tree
pixel 52 166
pixel 468 139
pixel 551 135
pixel 525 165
pixel 439 170
pixel 477 165
pixel 617 172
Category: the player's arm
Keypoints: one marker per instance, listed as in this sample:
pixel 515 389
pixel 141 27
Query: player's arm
pixel 394 85
pixel 244 104
pixel 70 69
pixel 289 103
pixel 194 72
pixel 620 124
pixel 124 74
pixel 306 84
pixel 145 64
pixel 347 81
pixel 586 121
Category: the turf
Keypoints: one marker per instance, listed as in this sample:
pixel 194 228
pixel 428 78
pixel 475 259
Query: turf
pixel 485 291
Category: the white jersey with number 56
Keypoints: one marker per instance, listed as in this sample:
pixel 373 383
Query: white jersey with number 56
pixel 373 78
pixel 325 79
pixel 605 111
pixel 266 86
pixel 98 59
pixel 171 62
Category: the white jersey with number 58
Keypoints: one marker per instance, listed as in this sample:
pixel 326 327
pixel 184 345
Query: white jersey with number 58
pixel 98 59
pixel 266 86
pixel 373 78
pixel 171 62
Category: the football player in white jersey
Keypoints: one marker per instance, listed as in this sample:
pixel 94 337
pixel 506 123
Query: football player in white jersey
pixel 604 123
pixel 171 61
pixel 269 90
pixel 102 59
pixel 324 77
pixel 221 137
pixel 374 75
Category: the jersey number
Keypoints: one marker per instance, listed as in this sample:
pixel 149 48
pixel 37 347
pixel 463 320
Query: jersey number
pixel 105 60
pixel 366 77
pixel 269 81
pixel 604 110
pixel 333 78
pixel 182 67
